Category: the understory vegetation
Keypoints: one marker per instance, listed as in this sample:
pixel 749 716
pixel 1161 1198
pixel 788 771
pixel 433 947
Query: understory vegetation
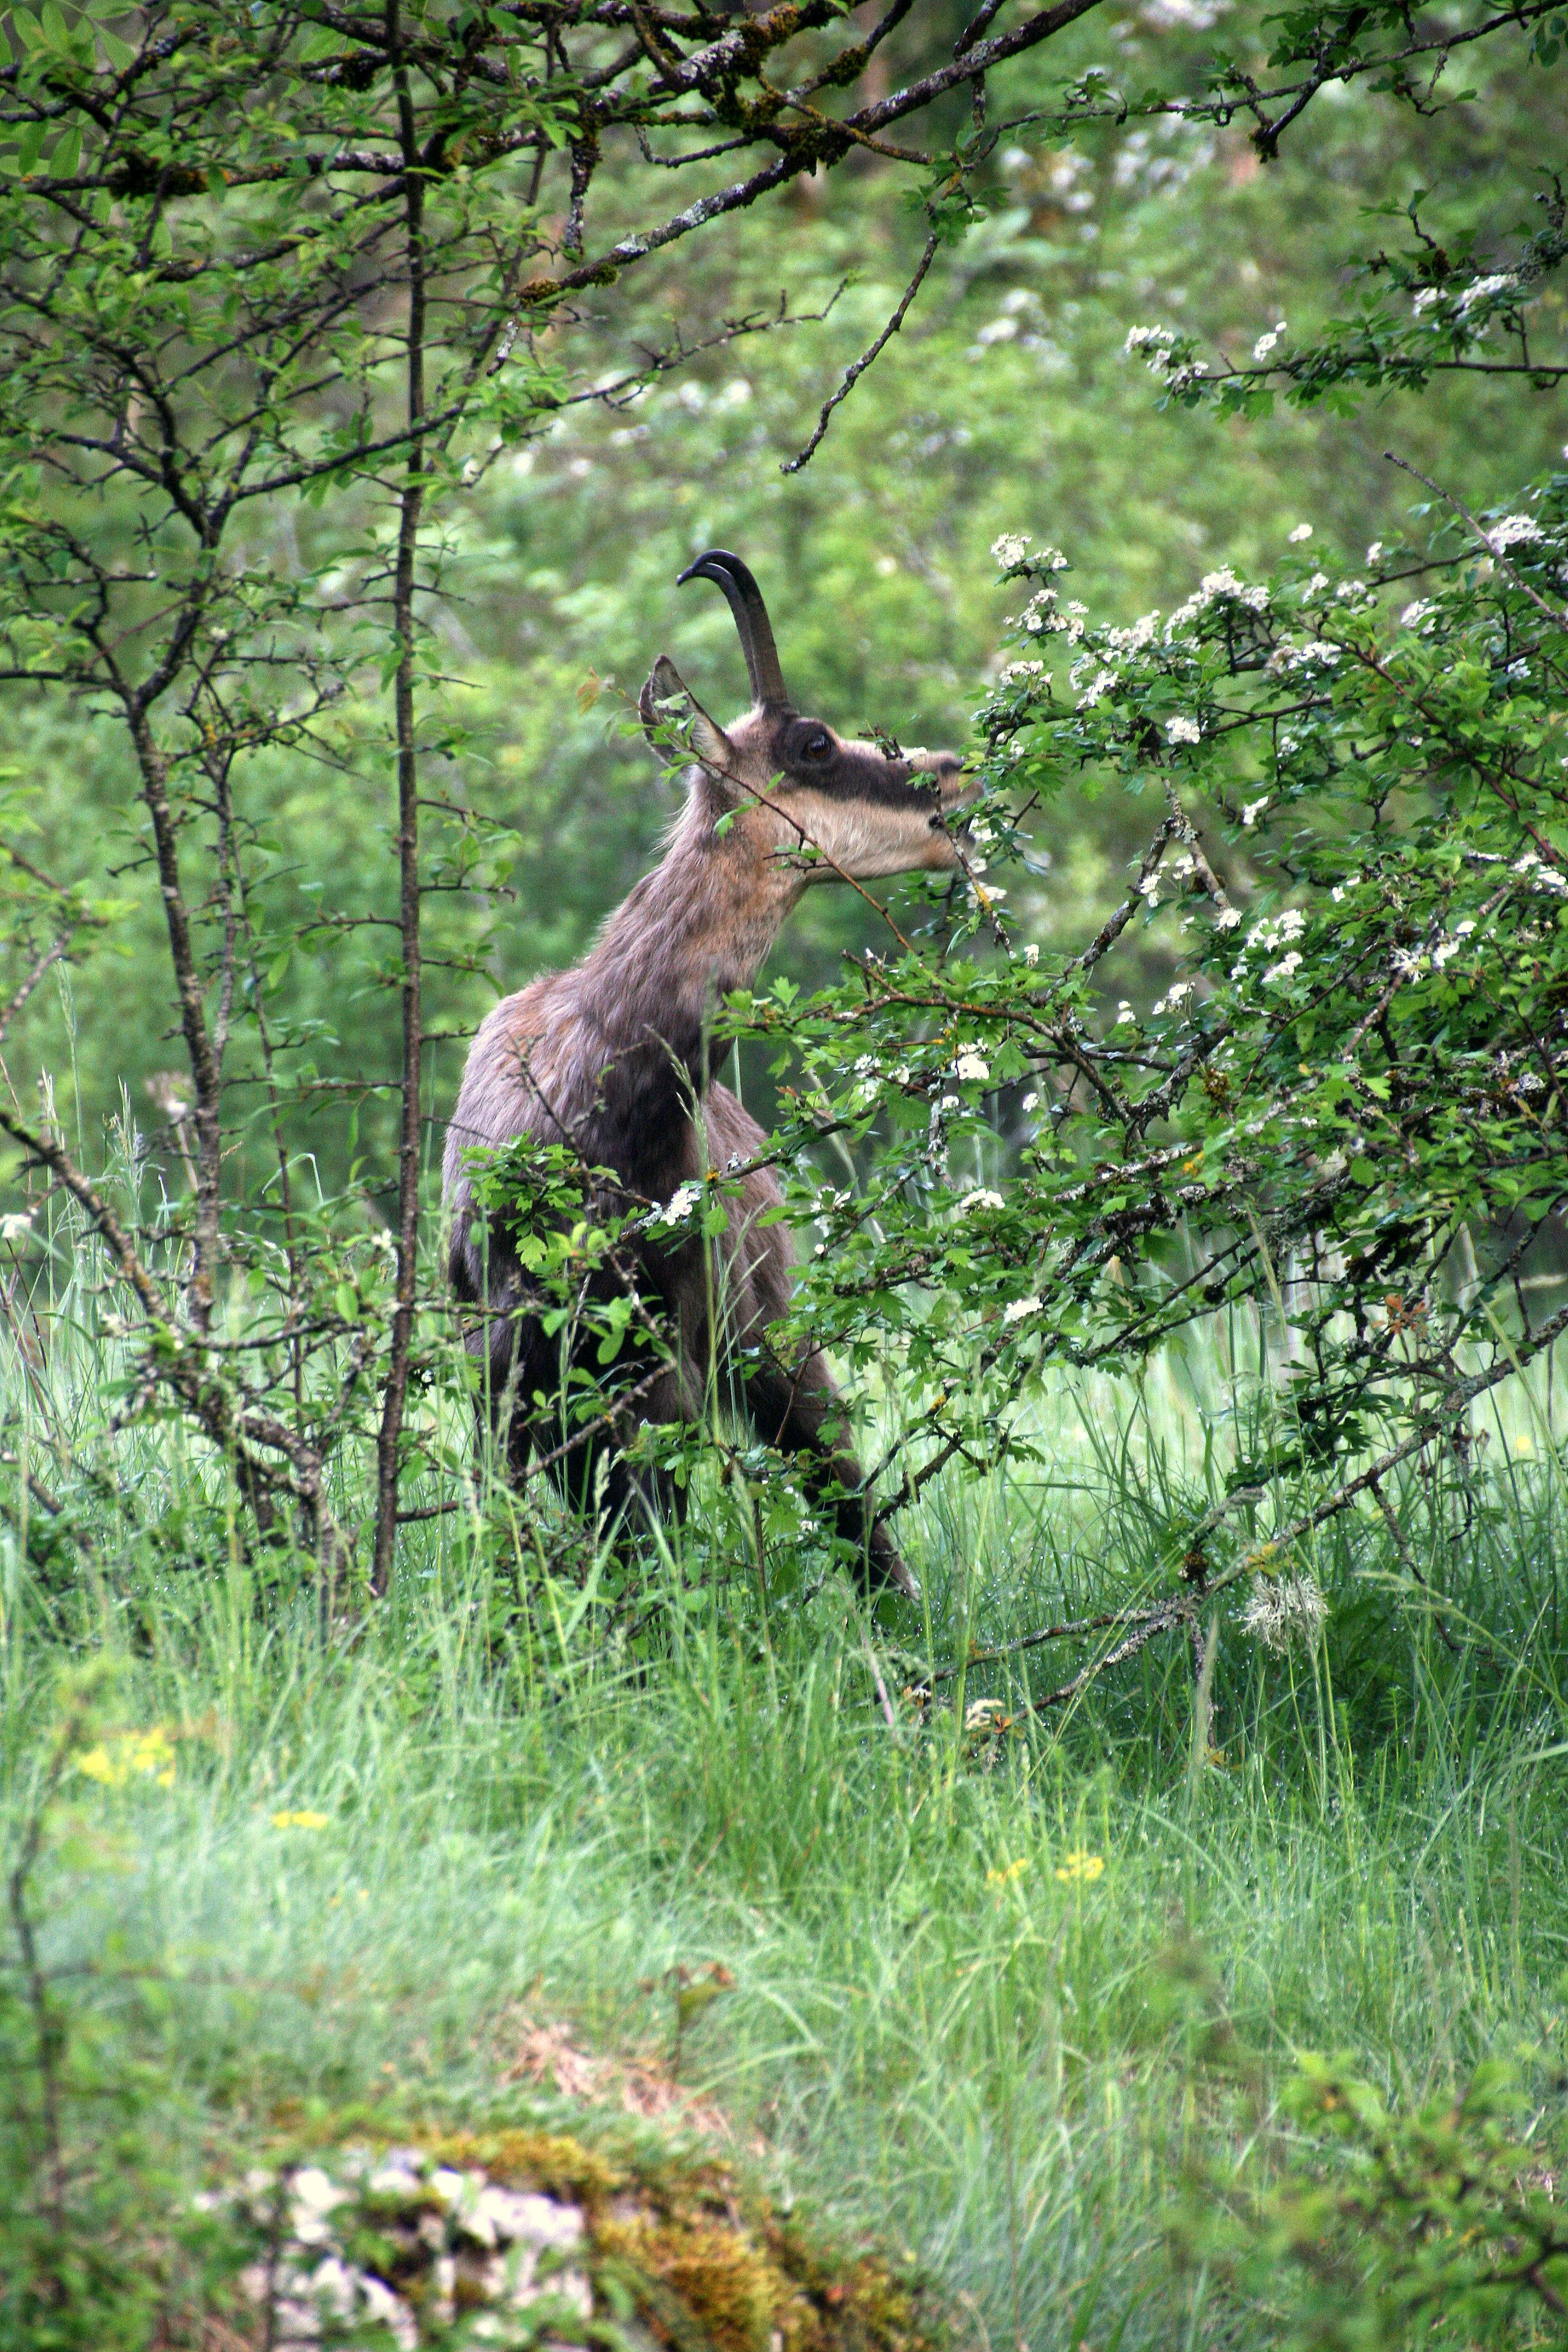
pixel 1014 1996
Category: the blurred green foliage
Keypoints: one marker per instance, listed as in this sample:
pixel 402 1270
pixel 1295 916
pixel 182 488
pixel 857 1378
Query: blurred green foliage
pixel 1006 404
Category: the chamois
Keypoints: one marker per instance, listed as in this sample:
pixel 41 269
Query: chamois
pixel 610 1059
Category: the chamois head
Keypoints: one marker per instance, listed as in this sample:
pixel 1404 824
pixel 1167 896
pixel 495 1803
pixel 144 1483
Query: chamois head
pixel 792 789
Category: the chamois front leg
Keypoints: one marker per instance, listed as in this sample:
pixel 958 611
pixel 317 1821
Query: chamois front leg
pixel 801 1413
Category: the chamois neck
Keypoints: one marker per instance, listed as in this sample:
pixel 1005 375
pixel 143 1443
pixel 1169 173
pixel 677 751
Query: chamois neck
pixel 697 927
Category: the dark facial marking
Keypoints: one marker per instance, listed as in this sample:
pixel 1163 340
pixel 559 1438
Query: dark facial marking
pixel 810 753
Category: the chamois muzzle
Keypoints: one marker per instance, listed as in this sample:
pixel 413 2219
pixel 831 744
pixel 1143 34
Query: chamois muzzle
pixel 745 601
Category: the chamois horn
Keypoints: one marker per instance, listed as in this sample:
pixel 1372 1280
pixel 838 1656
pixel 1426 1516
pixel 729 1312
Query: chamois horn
pixel 745 599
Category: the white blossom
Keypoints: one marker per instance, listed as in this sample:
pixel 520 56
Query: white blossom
pixel 680 1204
pixel 1125 1014
pixel 1423 297
pixel 1132 640
pixel 1032 952
pixel 1302 532
pixel 1099 683
pixel 1184 731
pixel 1157 340
pixel 1253 811
pixel 1414 614
pixel 1514 530
pixel 1009 548
pixel 1227 918
pixel 1265 343
pixel 1278 972
pixel 1017 1309
pixel 1031 1102
pixel 970 1070
pixel 1375 552
pixel 1503 281
pixel 983 1197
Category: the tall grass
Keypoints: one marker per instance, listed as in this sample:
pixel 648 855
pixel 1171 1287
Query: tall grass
pixel 945 2025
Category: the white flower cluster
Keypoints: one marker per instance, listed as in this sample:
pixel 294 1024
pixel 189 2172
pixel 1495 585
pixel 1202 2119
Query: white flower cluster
pixel 1266 938
pixel 1183 730
pixel 1265 343
pixel 1217 587
pixel 983 1197
pixel 970 1070
pixel 1155 343
pixel 1513 531
pixel 1177 993
pixel 1318 653
pixel 1285 1611
pixel 1019 1310
pixel 682 1203
pixel 1010 548
pixel 1302 532
pixel 457 2244
pixel 1446 950
pixel 1133 640
pixel 1481 290
pixel 1100 683
pixel 1414 614
pixel 1540 877
pixel 1040 616
pixel 1016 673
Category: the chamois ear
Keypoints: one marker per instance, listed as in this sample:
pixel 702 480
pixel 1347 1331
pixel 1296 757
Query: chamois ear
pixel 671 715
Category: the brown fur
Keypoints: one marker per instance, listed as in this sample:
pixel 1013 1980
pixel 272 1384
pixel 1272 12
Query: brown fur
pixel 610 1058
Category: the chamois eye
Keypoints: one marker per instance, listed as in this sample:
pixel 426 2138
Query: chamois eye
pixel 816 747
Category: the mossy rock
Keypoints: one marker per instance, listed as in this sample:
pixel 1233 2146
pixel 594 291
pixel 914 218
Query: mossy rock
pixel 522 2235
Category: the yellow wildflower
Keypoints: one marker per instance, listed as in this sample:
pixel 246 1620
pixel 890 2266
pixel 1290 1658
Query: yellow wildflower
pixel 1009 1873
pixel 147 1755
pixel 1080 1867
pixel 302 1818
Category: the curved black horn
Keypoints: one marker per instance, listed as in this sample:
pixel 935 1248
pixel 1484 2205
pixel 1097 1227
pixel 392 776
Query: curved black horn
pixel 751 614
